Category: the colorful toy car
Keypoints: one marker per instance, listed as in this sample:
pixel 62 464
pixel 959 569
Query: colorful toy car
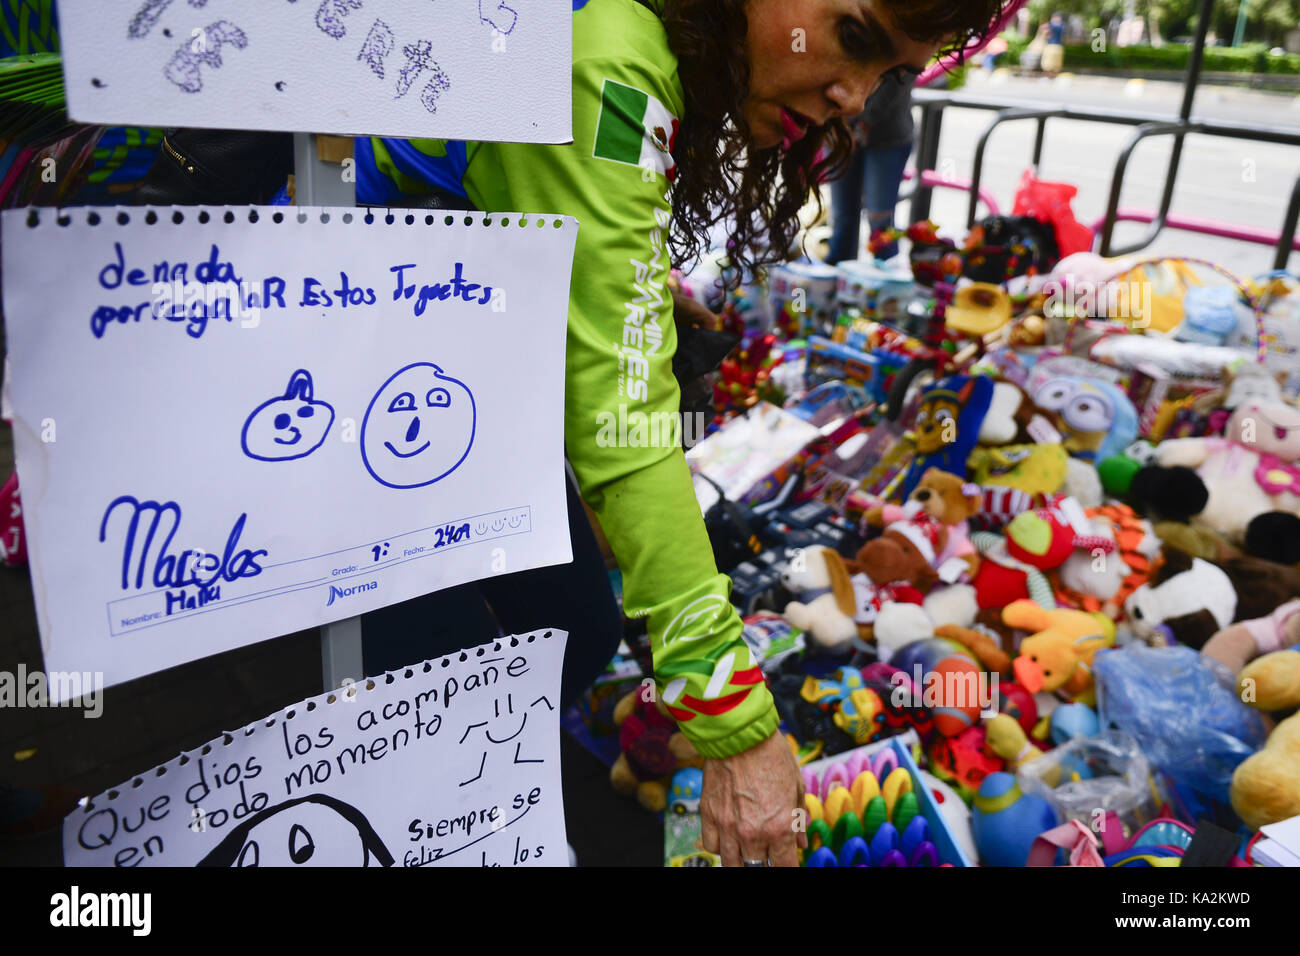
pixel 684 794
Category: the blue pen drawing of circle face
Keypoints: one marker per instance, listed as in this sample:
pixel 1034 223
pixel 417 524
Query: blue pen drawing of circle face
pixel 419 427
pixel 288 426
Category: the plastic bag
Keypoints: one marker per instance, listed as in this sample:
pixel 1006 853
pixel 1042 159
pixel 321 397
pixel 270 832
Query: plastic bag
pixel 1182 709
pixel 1106 772
pixel 1050 203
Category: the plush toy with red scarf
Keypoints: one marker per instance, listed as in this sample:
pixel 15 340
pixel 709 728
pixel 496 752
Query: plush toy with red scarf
pixel 1032 542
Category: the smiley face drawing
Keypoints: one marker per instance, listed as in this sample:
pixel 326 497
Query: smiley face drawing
pixel 289 426
pixel 315 830
pixel 418 428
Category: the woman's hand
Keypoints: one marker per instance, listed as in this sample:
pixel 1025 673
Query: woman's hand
pixel 690 314
pixel 748 808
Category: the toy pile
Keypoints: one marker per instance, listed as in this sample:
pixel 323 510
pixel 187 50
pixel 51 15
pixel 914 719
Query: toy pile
pixel 1039 518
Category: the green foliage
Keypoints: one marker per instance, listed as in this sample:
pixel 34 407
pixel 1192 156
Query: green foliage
pixel 1249 58
pixel 1267 21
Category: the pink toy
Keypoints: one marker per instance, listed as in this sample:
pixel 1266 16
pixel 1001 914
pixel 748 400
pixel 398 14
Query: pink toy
pixel 1253 469
pixel 13 544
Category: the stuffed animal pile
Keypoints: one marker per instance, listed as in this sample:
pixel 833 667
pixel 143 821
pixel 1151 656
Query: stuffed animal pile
pixel 1068 560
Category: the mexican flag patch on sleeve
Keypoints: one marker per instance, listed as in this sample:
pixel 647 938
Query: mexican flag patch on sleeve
pixel 636 129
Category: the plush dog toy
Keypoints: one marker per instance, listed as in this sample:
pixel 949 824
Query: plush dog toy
pixel 826 604
pixel 947 425
pixel 837 604
pixel 1057 657
pixel 1191 599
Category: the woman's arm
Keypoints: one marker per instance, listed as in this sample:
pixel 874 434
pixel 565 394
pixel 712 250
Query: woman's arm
pixel 621 404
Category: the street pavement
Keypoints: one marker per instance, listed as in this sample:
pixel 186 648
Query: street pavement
pixel 1230 180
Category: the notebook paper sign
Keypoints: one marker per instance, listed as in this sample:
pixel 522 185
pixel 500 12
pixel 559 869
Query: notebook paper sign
pixel 228 430
pixel 448 763
pixel 454 69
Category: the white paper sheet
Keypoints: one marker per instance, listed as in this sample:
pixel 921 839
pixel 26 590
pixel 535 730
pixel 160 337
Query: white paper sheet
pixel 454 69
pixel 306 462
pixel 448 763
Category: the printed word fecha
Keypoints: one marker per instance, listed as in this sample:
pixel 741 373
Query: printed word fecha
pixel 187 568
pixel 456 287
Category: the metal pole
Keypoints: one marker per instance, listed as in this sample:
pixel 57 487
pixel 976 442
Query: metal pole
pixel 1286 241
pixel 1194 61
pixel 1240 32
pixel 317 183
pixel 927 152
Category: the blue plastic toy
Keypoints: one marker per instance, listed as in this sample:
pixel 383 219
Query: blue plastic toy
pixel 855 852
pixel 1005 821
pixel 1073 720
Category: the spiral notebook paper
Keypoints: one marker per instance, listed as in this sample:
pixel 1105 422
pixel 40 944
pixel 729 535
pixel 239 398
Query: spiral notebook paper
pixel 233 424
pixel 452 762
pixel 455 69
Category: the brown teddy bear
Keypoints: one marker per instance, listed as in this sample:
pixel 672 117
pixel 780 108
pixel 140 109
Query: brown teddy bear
pixel 653 749
pixel 934 523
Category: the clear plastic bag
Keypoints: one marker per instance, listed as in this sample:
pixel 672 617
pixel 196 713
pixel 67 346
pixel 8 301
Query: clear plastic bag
pixel 1089 777
pixel 1183 710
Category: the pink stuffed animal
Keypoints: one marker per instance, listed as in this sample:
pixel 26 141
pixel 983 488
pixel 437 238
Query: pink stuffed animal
pixel 1255 468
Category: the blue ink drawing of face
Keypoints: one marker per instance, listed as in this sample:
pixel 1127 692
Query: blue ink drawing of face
pixel 419 427
pixel 288 426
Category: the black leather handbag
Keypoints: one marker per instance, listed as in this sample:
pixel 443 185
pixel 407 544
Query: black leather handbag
pixel 217 168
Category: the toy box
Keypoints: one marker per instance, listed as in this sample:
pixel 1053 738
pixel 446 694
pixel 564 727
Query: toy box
pixel 681 832
pixel 803 298
pixel 948 845
pixel 836 361
pixel 1158 396
pixel 746 451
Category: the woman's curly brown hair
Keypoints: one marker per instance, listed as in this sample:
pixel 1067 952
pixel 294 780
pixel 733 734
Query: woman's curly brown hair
pixel 762 191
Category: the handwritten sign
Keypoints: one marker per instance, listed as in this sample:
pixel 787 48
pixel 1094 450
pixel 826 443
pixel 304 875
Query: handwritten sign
pixel 454 69
pixel 455 762
pixel 232 425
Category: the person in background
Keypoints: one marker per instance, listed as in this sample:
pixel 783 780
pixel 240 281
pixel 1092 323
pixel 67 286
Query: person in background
pixel 883 134
pixel 1054 53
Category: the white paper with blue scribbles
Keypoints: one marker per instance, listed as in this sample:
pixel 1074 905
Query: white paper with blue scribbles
pixel 448 763
pixel 451 69
pixel 313 420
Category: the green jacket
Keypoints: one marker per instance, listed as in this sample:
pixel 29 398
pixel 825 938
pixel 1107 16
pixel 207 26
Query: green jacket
pixel 614 180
